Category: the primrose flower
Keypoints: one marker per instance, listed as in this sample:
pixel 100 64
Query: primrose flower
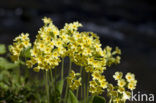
pixel 46 20
pixel 112 57
pixel 117 100
pixel 92 89
pixel 126 95
pixel 132 85
pixel 103 84
pixel 122 87
pixel 96 75
pixel 121 83
pixel 118 75
pixel 20 43
pixel 89 69
pixel 74 80
pixel 130 77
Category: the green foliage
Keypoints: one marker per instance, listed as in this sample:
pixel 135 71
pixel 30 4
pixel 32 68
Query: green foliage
pixel 26 53
pixel 88 100
pixel 94 99
pixel 99 99
pixel 2 49
pixel 59 86
pixel 71 97
pixel 5 64
pixel 15 87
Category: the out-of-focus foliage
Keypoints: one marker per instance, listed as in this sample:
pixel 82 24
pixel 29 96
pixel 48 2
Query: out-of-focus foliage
pixel 16 87
pixel 2 49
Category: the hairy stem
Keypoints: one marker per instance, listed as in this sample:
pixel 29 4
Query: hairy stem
pixel 47 86
pixel 81 85
pixel 67 87
pixel 52 81
pixel 62 69
pixel 88 86
pixel 84 91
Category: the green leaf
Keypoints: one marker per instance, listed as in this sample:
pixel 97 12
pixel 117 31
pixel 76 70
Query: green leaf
pixel 26 53
pixel 99 99
pixel 4 86
pixel 59 86
pixel 89 100
pixel 5 64
pixel 71 97
pixel 2 49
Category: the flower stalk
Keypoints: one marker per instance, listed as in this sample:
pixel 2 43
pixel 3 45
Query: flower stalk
pixel 47 86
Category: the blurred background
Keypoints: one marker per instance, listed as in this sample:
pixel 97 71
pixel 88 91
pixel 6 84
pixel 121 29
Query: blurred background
pixel 129 24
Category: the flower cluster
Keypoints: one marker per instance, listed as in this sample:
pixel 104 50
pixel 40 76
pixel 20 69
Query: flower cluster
pixel 48 47
pixel 120 93
pixel 98 83
pixel 20 43
pixel 74 80
pixel 107 58
pixel 131 81
pixel 83 48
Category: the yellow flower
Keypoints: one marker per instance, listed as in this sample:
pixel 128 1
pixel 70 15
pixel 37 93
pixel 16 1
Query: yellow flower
pixel 72 74
pixel 98 47
pixel 36 69
pixel 96 75
pixel 41 46
pixel 29 63
pixel 73 82
pixel 126 95
pixel 20 43
pixel 69 80
pixel 47 50
pixel 93 83
pixel 89 69
pixel 121 89
pixel 121 82
pixel 117 100
pixel 47 20
pixel 34 52
pixel 103 84
pixel 117 59
pixel 130 77
pixel 92 90
pixel 118 75
pixel 118 51
pixel 132 85
pixel 90 61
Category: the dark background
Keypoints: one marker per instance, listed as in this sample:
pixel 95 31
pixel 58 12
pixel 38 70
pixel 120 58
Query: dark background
pixel 129 24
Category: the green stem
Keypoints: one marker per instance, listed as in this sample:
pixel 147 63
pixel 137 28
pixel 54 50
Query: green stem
pixel 47 86
pixel 84 87
pixel 27 74
pixel 52 81
pixel 18 72
pixel 55 73
pixel 77 92
pixel 81 86
pixel 67 87
pixel 88 86
pixel 70 65
pixel 62 69
pixel 110 101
